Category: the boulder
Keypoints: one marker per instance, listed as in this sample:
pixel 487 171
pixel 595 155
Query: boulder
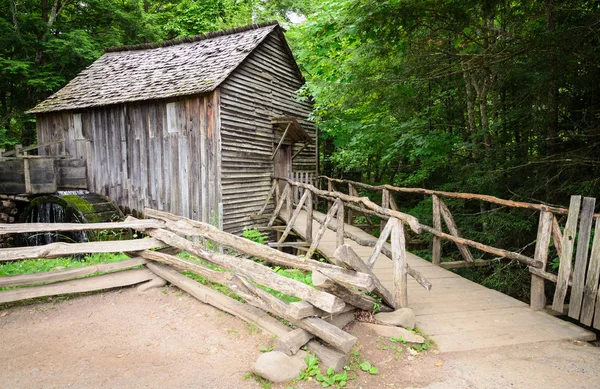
pixel 394 332
pixel 403 317
pixel 277 367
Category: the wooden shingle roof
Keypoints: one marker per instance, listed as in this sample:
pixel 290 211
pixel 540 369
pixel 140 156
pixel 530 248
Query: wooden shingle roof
pixel 146 72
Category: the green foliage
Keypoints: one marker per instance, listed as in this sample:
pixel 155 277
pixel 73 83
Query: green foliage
pixel 330 378
pixel 254 235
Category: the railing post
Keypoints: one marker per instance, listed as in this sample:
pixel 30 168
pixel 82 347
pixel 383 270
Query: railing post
pixel 538 295
pixel 309 218
pixel 350 216
pixel 339 237
pixel 385 203
pixel 290 200
pixel 399 263
pixel 436 251
pixel 330 188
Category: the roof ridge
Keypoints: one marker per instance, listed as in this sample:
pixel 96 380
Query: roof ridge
pixel 190 39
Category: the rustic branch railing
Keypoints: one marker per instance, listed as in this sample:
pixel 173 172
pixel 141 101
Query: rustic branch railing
pixel 339 203
pixel 583 278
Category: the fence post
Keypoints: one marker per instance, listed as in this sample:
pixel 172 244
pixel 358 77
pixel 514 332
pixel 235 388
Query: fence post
pixel 290 200
pixel 538 296
pixel 436 251
pixel 339 237
pixel 309 218
pixel 399 262
pixel 385 203
pixel 330 188
pixel 350 191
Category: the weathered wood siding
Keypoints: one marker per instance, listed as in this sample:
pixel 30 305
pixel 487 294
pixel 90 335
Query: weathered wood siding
pixel 264 86
pixel 159 154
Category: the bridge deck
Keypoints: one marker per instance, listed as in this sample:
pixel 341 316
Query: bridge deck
pixel 458 314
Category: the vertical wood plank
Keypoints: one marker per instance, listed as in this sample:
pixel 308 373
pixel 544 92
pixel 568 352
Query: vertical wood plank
pixel 330 188
pixel 590 293
pixel 309 218
pixel 385 203
pixel 203 161
pixel 399 261
pixel 581 256
pixel 436 250
pixel 568 242
pixel 350 216
pixel 538 296
pixel 339 233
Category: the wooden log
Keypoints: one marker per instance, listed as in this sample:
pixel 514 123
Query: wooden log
pixel 590 294
pixel 20 149
pixel 308 233
pixel 412 221
pixel 289 244
pixel 348 256
pixel 581 256
pixel 361 207
pixel 383 237
pixel 190 227
pixel 464 264
pixel 385 203
pixel 384 250
pixel 209 296
pixel 60 249
pixel 557 236
pixel 568 242
pixel 258 273
pixel 81 285
pixel 63 275
pixel 313 247
pixel 451 224
pixel 328 358
pixel 320 328
pixel 292 220
pixel 350 218
pixel 538 294
pixel 457 195
pixel 302 309
pixel 289 201
pixel 339 234
pixel 399 262
pixel 352 297
pixel 18 228
pixel 271 193
pixel 436 251
pixel 485 248
pixel 282 199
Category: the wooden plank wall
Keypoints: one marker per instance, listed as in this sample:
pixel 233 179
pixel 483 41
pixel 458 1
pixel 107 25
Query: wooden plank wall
pixel 264 86
pixel 140 156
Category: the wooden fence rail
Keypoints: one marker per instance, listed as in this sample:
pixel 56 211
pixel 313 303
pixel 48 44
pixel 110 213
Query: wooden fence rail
pixel 337 291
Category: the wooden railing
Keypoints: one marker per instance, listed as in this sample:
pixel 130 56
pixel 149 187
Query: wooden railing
pixel 339 288
pixel 548 228
pixel 394 228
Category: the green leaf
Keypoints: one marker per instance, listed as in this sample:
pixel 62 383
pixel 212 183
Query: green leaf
pixel 365 366
pixel 373 370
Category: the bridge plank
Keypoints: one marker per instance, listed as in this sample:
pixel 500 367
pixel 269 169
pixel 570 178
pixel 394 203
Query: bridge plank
pixel 581 256
pixel 568 242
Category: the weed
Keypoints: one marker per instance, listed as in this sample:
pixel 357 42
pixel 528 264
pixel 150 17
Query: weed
pixel 330 378
pixel 254 235
pixel 366 366
pixel 264 349
pixel 252 328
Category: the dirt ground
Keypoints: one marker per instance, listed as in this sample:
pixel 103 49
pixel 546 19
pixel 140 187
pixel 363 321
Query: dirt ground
pixel 164 338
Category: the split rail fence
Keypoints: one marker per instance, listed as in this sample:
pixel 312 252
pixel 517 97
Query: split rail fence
pixel 581 277
pixel 318 317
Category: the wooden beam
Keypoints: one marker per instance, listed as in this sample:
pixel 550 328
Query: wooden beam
pixel 436 251
pixel 351 296
pixel 464 264
pixel 60 249
pixel 292 220
pixel 188 227
pixel 451 224
pixel 399 263
pixel 19 228
pixel 568 243
pixel 581 256
pixel 81 285
pixel 63 275
pixel 590 294
pixel 280 141
pixel 209 296
pixel 538 294
pixel 313 247
pixel 383 237
pixel 16 152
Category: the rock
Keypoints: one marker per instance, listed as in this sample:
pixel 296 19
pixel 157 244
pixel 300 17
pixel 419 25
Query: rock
pixel 394 332
pixel 403 317
pixel 277 367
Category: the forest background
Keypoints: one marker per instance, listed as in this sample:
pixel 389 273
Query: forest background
pixel 496 97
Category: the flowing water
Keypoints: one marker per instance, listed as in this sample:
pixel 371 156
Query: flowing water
pixel 50 212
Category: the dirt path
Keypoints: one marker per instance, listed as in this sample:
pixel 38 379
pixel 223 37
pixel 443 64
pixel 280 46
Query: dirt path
pixel 160 339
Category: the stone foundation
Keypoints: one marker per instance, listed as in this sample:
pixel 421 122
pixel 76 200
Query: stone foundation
pixel 8 214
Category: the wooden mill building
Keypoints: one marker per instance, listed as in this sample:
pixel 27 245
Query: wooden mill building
pixel 188 125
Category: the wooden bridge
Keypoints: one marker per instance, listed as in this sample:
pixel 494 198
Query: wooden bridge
pixel 458 314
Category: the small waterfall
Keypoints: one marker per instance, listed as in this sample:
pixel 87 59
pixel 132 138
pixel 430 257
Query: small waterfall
pixel 50 212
